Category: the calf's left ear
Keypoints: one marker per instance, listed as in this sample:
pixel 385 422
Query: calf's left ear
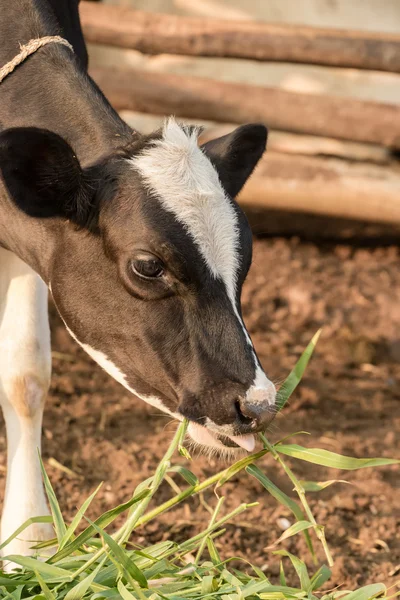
pixel 43 175
pixel 235 155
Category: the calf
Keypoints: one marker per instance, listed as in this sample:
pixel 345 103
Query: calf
pixel 139 240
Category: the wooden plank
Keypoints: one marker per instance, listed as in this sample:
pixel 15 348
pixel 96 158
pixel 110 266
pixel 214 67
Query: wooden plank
pixel 325 186
pixel 291 143
pixel 202 98
pixel 294 143
pixel 272 222
pixel 153 33
pixel 374 86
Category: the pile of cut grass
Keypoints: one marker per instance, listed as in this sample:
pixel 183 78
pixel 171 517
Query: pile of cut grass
pixel 96 565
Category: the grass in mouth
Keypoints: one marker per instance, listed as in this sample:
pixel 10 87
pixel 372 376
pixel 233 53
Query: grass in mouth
pixel 96 564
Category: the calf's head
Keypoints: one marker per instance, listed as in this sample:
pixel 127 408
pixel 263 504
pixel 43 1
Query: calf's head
pixel 148 255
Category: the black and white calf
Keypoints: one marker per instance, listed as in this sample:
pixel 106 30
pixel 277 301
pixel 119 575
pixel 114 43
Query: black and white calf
pixel 140 242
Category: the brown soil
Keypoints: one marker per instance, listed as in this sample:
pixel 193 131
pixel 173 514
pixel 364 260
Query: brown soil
pixel 349 401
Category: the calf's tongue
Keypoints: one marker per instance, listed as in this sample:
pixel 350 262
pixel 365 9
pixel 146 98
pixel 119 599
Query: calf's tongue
pixel 247 442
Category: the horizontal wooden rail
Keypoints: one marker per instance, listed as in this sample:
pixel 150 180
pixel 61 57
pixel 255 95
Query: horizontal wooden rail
pixel 325 186
pixel 201 98
pixel 154 33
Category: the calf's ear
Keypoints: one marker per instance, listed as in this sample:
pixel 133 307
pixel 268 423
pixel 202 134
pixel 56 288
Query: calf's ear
pixel 235 155
pixel 42 175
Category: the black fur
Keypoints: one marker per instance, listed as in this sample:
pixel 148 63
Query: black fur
pixel 43 175
pixel 236 154
pixel 67 15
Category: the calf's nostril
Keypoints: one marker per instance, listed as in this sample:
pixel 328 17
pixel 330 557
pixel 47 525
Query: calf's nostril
pixel 259 415
pixel 243 417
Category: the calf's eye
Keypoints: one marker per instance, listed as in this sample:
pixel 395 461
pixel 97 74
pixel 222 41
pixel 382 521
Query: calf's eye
pixel 148 267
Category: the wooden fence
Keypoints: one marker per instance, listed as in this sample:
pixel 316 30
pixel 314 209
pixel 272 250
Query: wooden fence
pixel 352 185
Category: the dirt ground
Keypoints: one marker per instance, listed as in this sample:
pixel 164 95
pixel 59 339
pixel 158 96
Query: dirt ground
pixel 349 401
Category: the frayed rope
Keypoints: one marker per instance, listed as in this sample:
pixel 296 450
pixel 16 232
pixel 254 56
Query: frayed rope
pixel 30 48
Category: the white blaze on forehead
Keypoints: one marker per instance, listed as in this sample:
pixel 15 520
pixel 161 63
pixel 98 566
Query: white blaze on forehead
pixel 188 186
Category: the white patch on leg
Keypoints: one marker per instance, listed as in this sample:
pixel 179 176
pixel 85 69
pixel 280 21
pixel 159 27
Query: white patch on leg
pixel 25 364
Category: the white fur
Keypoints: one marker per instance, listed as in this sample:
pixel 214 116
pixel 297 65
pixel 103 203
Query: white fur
pixel 119 376
pixel 262 390
pixel 188 186
pixel 24 356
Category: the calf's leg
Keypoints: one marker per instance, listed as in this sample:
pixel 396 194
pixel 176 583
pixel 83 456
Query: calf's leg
pixel 25 366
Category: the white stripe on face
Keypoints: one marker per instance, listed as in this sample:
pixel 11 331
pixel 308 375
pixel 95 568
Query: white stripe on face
pixel 112 369
pixel 188 186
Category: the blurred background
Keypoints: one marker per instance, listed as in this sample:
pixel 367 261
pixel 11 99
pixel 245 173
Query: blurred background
pixel 324 205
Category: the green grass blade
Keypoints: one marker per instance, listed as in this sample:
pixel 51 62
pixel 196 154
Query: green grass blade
pixel 239 466
pixel 281 497
pixel 230 578
pixel 105 519
pixel 318 486
pixel 203 542
pixel 320 577
pixel 294 377
pixel 260 574
pixel 46 543
pixel 146 484
pixel 46 592
pixel 25 524
pixel 187 475
pixel 58 520
pixel 80 589
pixel 259 587
pixel 121 555
pixel 300 569
pixel 326 458
pixel 44 568
pixel 208 585
pixel 77 519
pixel 282 576
pixel 155 552
pixel 213 552
pixel 17 594
pixel 125 594
pixel 292 530
pixel 7 581
pixel 367 592
pixel 112 594
pixel 272 489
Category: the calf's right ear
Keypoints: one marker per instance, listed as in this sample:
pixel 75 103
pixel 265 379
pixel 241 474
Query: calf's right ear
pixel 236 154
pixel 43 175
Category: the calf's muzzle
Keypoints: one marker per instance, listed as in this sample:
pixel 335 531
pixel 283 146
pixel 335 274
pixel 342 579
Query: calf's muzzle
pixel 232 409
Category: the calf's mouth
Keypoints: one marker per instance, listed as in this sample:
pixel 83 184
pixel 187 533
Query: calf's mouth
pixel 205 437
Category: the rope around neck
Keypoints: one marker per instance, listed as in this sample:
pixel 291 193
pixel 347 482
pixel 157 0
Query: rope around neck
pixel 30 48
